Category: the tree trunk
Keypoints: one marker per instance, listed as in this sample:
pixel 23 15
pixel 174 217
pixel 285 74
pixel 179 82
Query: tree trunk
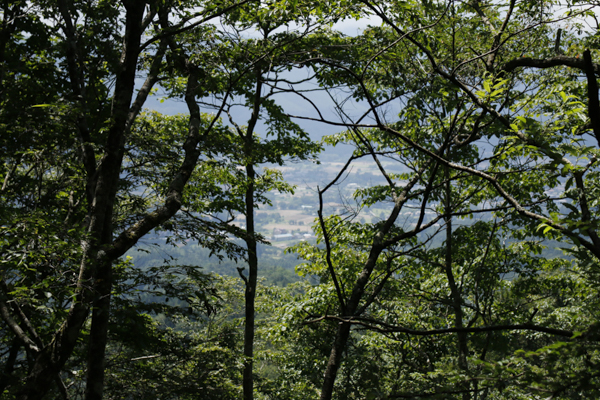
pixel 99 335
pixel 455 294
pixel 250 294
pixel 53 357
pixel 335 360
pixel 343 331
pixel 95 279
pixel 250 239
pixel 351 308
pixel 107 186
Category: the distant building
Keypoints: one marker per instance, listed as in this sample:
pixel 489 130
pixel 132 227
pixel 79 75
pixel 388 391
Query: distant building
pixel 282 237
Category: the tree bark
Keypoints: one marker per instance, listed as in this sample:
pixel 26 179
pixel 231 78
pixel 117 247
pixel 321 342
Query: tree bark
pixel 251 245
pixel 105 194
pixel 250 292
pixel 100 249
pixel 99 334
pixel 53 357
pixel 335 359
pixel 454 291
pixel 351 308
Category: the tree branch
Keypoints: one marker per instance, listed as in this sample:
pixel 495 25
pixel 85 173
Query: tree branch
pixel 593 103
pixel 383 327
pixel 556 61
pixel 16 329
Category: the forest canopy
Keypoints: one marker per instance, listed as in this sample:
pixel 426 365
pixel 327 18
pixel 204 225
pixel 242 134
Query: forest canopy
pixel 482 119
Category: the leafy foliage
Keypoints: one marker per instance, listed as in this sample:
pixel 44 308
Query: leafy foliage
pixel 481 116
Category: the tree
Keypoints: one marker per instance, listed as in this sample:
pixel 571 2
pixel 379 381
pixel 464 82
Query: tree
pixel 256 87
pixel 174 337
pixel 90 54
pixel 489 107
pixel 479 135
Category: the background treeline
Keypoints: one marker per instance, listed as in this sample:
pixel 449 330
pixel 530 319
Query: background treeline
pixel 276 266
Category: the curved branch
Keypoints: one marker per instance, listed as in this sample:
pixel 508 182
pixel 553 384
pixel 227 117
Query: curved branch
pixel 146 88
pixel 383 327
pixel 173 200
pixel 338 288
